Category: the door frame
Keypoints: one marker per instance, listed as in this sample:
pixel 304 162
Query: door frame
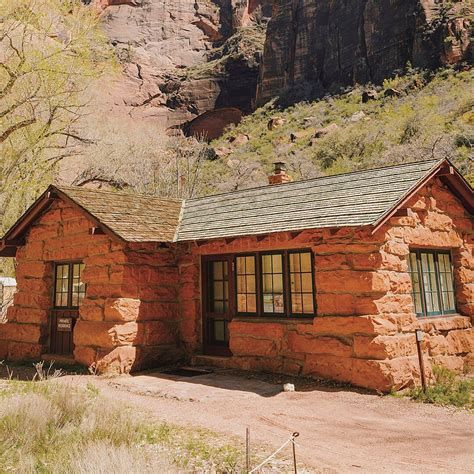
pixel 62 342
pixel 209 346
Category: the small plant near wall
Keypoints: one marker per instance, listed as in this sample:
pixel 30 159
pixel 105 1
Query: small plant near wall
pixel 448 389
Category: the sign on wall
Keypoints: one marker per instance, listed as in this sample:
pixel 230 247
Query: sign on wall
pixel 64 324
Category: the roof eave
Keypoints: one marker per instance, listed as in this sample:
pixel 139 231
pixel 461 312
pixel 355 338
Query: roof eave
pixel 444 169
pixel 14 237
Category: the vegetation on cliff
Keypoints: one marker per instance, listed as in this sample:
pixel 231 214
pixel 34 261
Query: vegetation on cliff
pixel 413 116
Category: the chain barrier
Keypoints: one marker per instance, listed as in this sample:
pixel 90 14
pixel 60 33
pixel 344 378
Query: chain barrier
pixel 291 440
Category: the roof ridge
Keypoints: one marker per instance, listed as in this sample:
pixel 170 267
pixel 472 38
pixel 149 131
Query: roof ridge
pixel 115 193
pixel 350 173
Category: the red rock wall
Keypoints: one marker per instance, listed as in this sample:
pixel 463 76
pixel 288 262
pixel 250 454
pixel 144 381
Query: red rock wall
pixel 364 329
pixel 126 321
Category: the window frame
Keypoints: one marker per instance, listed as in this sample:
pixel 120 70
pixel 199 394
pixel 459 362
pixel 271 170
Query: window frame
pixel 287 294
pixel 70 290
pixel 258 295
pixel 435 252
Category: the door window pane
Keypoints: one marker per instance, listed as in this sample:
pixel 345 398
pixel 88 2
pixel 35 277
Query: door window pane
pixel 62 286
pixel 219 286
pixel 272 282
pixel 246 284
pixel 301 283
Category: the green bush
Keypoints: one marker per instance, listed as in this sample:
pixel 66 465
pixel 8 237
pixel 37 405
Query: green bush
pixel 448 389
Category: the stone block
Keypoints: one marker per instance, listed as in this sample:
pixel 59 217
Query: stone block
pixel 28 315
pixel 349 325
pixel 451 362
pixel 122 309
pixel 437 344
pixel 460 341
pixel 93 334
pixel 30 333
pixel 274 331
pixel 119 361
pixel 85 355
pixel 92 310
pixel 159 332
pixel 23 351
pixel 350 281
pixel 335 305
pixel 319 345
pixel 384 347
pixel 248 346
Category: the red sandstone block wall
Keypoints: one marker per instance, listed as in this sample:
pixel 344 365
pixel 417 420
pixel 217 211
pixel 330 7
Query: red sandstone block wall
pixel 128 319
pixel 364 329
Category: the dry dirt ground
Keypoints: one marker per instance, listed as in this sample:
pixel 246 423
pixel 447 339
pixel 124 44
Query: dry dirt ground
pixel 341 430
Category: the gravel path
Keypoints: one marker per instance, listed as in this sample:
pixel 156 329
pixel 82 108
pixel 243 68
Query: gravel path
pixel 340 430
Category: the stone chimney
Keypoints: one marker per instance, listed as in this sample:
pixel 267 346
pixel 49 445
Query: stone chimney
pixel 279 175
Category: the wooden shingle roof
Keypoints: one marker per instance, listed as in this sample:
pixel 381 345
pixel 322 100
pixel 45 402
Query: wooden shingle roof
pixel 352 199
pixel 134 218
pixel 365 198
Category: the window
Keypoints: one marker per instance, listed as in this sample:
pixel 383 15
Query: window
pixel 246 284
pixel 432 280
pixel 301 283
pixel 275 284
pixel 219 277
pixel 69 289
pixel 272 284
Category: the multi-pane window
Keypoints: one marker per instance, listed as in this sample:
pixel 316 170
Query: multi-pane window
pixel 220 287
pixel 278 283
pixel 69 289
pixel 432 281
pixel 301 283
pixel 246 284
pixel 272 284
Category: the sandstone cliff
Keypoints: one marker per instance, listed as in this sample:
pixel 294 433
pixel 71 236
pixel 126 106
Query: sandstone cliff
pixel 181 59
pixel 315 46
pixel 172 57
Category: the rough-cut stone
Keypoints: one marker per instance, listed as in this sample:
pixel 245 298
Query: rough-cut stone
pixel 384 347
pixel 319 345
pixel 119 361
pixel 243 346
pixel 350 325
pixel 122 309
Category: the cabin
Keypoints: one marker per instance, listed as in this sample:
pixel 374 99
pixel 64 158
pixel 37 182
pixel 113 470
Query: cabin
pixel 327 277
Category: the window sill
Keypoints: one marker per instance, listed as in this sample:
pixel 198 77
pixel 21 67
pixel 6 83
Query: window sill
pixel 274 319
pixel 445 322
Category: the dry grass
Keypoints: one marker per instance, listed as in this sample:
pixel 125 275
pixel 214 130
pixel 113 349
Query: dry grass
pixel 54 427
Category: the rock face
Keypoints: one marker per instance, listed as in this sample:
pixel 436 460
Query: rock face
pixel 315 46
pixel 164 48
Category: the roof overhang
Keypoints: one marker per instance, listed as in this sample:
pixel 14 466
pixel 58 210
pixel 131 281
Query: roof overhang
pixel 15 237
pixel 449 175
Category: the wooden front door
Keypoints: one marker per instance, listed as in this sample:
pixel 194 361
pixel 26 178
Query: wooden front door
pixel 218 290
pixel 69 291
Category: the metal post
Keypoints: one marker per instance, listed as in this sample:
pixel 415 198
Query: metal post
pixel 247 449
pixel 295 435
pixel 419 337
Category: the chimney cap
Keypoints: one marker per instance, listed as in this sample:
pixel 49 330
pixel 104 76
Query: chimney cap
pixel 280 166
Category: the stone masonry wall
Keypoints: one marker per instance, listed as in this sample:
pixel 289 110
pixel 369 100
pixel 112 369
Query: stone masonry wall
pixel 364 329
pixel 127 318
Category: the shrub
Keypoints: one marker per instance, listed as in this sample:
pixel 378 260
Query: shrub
pixel 448 389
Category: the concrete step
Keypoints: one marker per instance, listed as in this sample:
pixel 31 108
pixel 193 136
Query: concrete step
pixel 211 361
pixel 59 359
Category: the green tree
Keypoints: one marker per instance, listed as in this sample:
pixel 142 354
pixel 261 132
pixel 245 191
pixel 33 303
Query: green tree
pixel 50 53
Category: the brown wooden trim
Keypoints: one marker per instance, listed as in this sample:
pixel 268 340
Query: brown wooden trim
pixel 16 233
pixel 456 183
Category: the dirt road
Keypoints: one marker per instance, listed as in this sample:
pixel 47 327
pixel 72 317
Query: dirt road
pixel 341 430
